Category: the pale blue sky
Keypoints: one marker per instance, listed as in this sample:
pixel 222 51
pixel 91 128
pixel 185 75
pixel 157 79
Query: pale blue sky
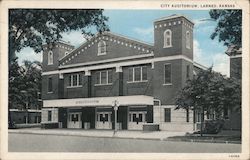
pixel 138 24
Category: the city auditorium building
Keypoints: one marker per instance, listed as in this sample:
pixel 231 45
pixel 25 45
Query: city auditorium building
pixel 112 78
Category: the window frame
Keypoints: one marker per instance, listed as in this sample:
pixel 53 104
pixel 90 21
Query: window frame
pixel 170 83
pixel 50 81
pixel 141 74
pixel 100 47
pixel 50 57
pixel 169 119
pixel 108 75
pixel 49 116
pixel 188 40
pixel 78 80
pixel 165 38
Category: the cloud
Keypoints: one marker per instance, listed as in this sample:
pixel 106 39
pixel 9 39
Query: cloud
pixel 146 34
pixel 28 54
pixel 219 61
pixel 74 37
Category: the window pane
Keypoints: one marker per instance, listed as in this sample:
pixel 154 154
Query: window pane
pixel 75 80
pixel 106 117
pixel 69 80
pixel 134 117
pixel 104 77
pixel 167 73
pixel 97 78
pixel 80 79
pixel 144 73
pixel 130 74
pixel 167 115
pixel 137 74
pixel 110 76
pixel 49 116
pixel 50 85
pixel 140 117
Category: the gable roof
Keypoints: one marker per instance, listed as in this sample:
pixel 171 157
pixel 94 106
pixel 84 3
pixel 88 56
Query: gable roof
pixel 148 47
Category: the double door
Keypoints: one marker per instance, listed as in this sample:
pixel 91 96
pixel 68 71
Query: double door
pixel 103 120
pixel 75 120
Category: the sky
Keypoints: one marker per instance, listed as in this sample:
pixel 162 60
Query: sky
pixel 138 24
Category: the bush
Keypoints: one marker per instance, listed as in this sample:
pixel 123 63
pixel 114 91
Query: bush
pixel 213 126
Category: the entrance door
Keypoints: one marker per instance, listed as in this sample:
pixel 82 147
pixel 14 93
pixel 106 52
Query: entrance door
pixel 136 120
pixel 103 120
pixel 74 120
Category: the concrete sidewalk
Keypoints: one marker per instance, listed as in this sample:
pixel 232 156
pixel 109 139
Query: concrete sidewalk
pixel 156 135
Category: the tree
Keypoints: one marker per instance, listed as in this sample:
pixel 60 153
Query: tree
pixel 24 85
pixel 210 91
pixel 33 27
pixel 229 26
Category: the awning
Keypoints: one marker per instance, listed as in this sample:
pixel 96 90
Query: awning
pixel 100 101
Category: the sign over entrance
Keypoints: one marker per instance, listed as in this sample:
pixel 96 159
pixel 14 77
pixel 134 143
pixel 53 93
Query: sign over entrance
pixel 100 101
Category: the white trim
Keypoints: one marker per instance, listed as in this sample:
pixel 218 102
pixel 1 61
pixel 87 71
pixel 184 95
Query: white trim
pixel 108 60
pixel 200 66
pixel 165 37
pixel 100 101
pixel 172 17
pixel 236 56
pixel 122 64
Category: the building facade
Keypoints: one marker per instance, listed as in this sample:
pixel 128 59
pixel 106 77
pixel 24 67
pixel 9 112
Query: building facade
pixel 114 78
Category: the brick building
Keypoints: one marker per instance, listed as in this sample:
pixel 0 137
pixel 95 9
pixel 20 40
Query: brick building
pixel 82 87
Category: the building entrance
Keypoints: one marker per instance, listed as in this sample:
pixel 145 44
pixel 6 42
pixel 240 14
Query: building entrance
pixel 103 120
pixel 74 120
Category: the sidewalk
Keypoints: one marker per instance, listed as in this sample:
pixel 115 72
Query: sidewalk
pixel 156 135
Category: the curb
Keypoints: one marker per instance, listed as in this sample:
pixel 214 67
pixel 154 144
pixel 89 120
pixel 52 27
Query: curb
pixel 203 141
pixel 138 138
pixel 79 135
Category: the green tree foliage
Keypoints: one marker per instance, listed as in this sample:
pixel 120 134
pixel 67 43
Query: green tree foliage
pixel 229 26
pixel 24 84
pixel 210 91
pixel 33 27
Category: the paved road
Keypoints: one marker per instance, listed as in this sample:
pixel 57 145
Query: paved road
pixel 53 143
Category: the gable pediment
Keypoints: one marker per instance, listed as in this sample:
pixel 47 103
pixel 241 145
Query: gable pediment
pixel 117 46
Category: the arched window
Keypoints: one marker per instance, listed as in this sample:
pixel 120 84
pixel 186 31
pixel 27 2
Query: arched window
pixel 50 58
pixel 102 48
pixel 167 38
pixel 188 40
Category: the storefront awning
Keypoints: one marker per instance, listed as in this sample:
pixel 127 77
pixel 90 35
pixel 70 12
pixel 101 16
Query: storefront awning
pixel 100 101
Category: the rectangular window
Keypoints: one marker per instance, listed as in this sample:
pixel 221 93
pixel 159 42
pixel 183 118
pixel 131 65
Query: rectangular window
pixel 167 74
pixel 130 74
pixel 75 80
pixel 49 115
pixel 167 115
pixel 188 72
pixel 104 77
pixel 144 73
pixel 137 74
pixel 50 85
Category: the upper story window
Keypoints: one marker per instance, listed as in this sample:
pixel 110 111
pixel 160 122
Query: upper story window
pixel 188 40
pixel 50 85
pixel 75 80
pixel 167 38
pixel 137 74
pixel 102 48
pixel 50 57
pixel 167 74
pixel 104 77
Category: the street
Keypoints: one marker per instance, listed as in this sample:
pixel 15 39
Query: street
pixel 19 142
